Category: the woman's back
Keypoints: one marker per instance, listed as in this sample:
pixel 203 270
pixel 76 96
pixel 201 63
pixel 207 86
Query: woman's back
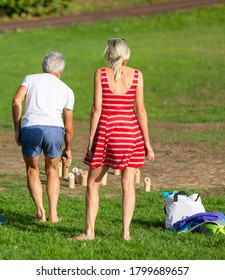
pixel 123 84
pixel 116 100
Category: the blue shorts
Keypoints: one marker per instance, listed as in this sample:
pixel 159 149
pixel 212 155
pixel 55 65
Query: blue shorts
pixel 38 138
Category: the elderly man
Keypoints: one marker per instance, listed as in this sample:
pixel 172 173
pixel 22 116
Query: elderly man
pixel 48 119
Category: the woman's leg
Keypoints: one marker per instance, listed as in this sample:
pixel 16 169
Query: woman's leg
pixel 34 186
pixel 92 202
pixel 127 182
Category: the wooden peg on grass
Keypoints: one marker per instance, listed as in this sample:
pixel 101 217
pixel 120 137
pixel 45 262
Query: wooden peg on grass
pixel 84 176
pixel 104 179
pixel 147 184
pixel 137 176
pixel 117 172
pixel 60 169
pixel 71 180
pixel 79 175
pixel 74 170
pixel 65 170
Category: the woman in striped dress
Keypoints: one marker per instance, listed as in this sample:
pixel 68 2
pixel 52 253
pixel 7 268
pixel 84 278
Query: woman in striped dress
pixel 118 135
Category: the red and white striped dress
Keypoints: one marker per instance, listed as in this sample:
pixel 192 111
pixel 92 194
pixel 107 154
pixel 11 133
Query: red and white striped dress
pixel 118 140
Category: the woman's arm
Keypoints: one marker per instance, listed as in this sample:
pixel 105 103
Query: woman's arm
pixel 96 108
pixel 142 117
pixel 17 107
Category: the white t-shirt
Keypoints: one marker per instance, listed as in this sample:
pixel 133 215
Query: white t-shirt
pixel 46 98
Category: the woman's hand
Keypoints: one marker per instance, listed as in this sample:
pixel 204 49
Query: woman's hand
pixel 89 148
pixel 149 153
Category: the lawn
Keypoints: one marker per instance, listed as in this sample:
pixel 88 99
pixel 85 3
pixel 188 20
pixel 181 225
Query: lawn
pixel 181 56
pixel 24 239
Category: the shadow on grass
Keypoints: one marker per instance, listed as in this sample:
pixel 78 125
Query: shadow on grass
pixel 148 224
pixel 25 222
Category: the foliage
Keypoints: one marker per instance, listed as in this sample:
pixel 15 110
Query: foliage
pixel 29 8
pixel 24 8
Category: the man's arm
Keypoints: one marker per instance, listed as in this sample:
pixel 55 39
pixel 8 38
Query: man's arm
pixel 17 106
pixel 68 138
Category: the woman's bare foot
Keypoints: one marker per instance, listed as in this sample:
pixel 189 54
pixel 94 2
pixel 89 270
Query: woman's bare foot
pixel 127 238
pixel 84 236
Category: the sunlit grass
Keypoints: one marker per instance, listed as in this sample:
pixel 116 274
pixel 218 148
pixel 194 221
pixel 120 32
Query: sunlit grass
pixel 22 238
pixel 180 55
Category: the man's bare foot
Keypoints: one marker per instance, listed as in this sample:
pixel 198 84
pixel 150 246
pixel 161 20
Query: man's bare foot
pixel 53 217
pixel 55 220
pixel 84 236
pixel 39 218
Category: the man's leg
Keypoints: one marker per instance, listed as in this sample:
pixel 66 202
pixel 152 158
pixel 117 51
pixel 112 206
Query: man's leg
pixel 53 187
pixel 34 186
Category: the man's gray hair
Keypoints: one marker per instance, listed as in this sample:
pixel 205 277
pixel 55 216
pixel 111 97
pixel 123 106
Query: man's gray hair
pixel 53 62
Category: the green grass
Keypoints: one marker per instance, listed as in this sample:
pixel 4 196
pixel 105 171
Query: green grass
pixel 22 238
pixel 180 54
pixel 211 138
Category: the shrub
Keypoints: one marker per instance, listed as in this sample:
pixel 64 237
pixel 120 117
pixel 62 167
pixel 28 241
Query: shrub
pixel 30 8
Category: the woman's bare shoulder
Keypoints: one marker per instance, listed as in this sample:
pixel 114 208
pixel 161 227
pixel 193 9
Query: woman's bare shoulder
pixel 98 73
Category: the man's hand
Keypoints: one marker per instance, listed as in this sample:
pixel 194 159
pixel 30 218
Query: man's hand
pixel 67 157
pixel 17 138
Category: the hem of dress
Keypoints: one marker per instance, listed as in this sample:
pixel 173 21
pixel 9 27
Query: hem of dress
pixel 113 167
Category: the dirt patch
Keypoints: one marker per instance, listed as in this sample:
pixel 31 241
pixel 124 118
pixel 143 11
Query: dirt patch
pixel 188 165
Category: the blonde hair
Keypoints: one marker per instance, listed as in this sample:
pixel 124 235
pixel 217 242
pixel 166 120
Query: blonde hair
pixel 116 53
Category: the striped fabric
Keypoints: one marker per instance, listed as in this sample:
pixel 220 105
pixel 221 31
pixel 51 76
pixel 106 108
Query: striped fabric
pixel 118 140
